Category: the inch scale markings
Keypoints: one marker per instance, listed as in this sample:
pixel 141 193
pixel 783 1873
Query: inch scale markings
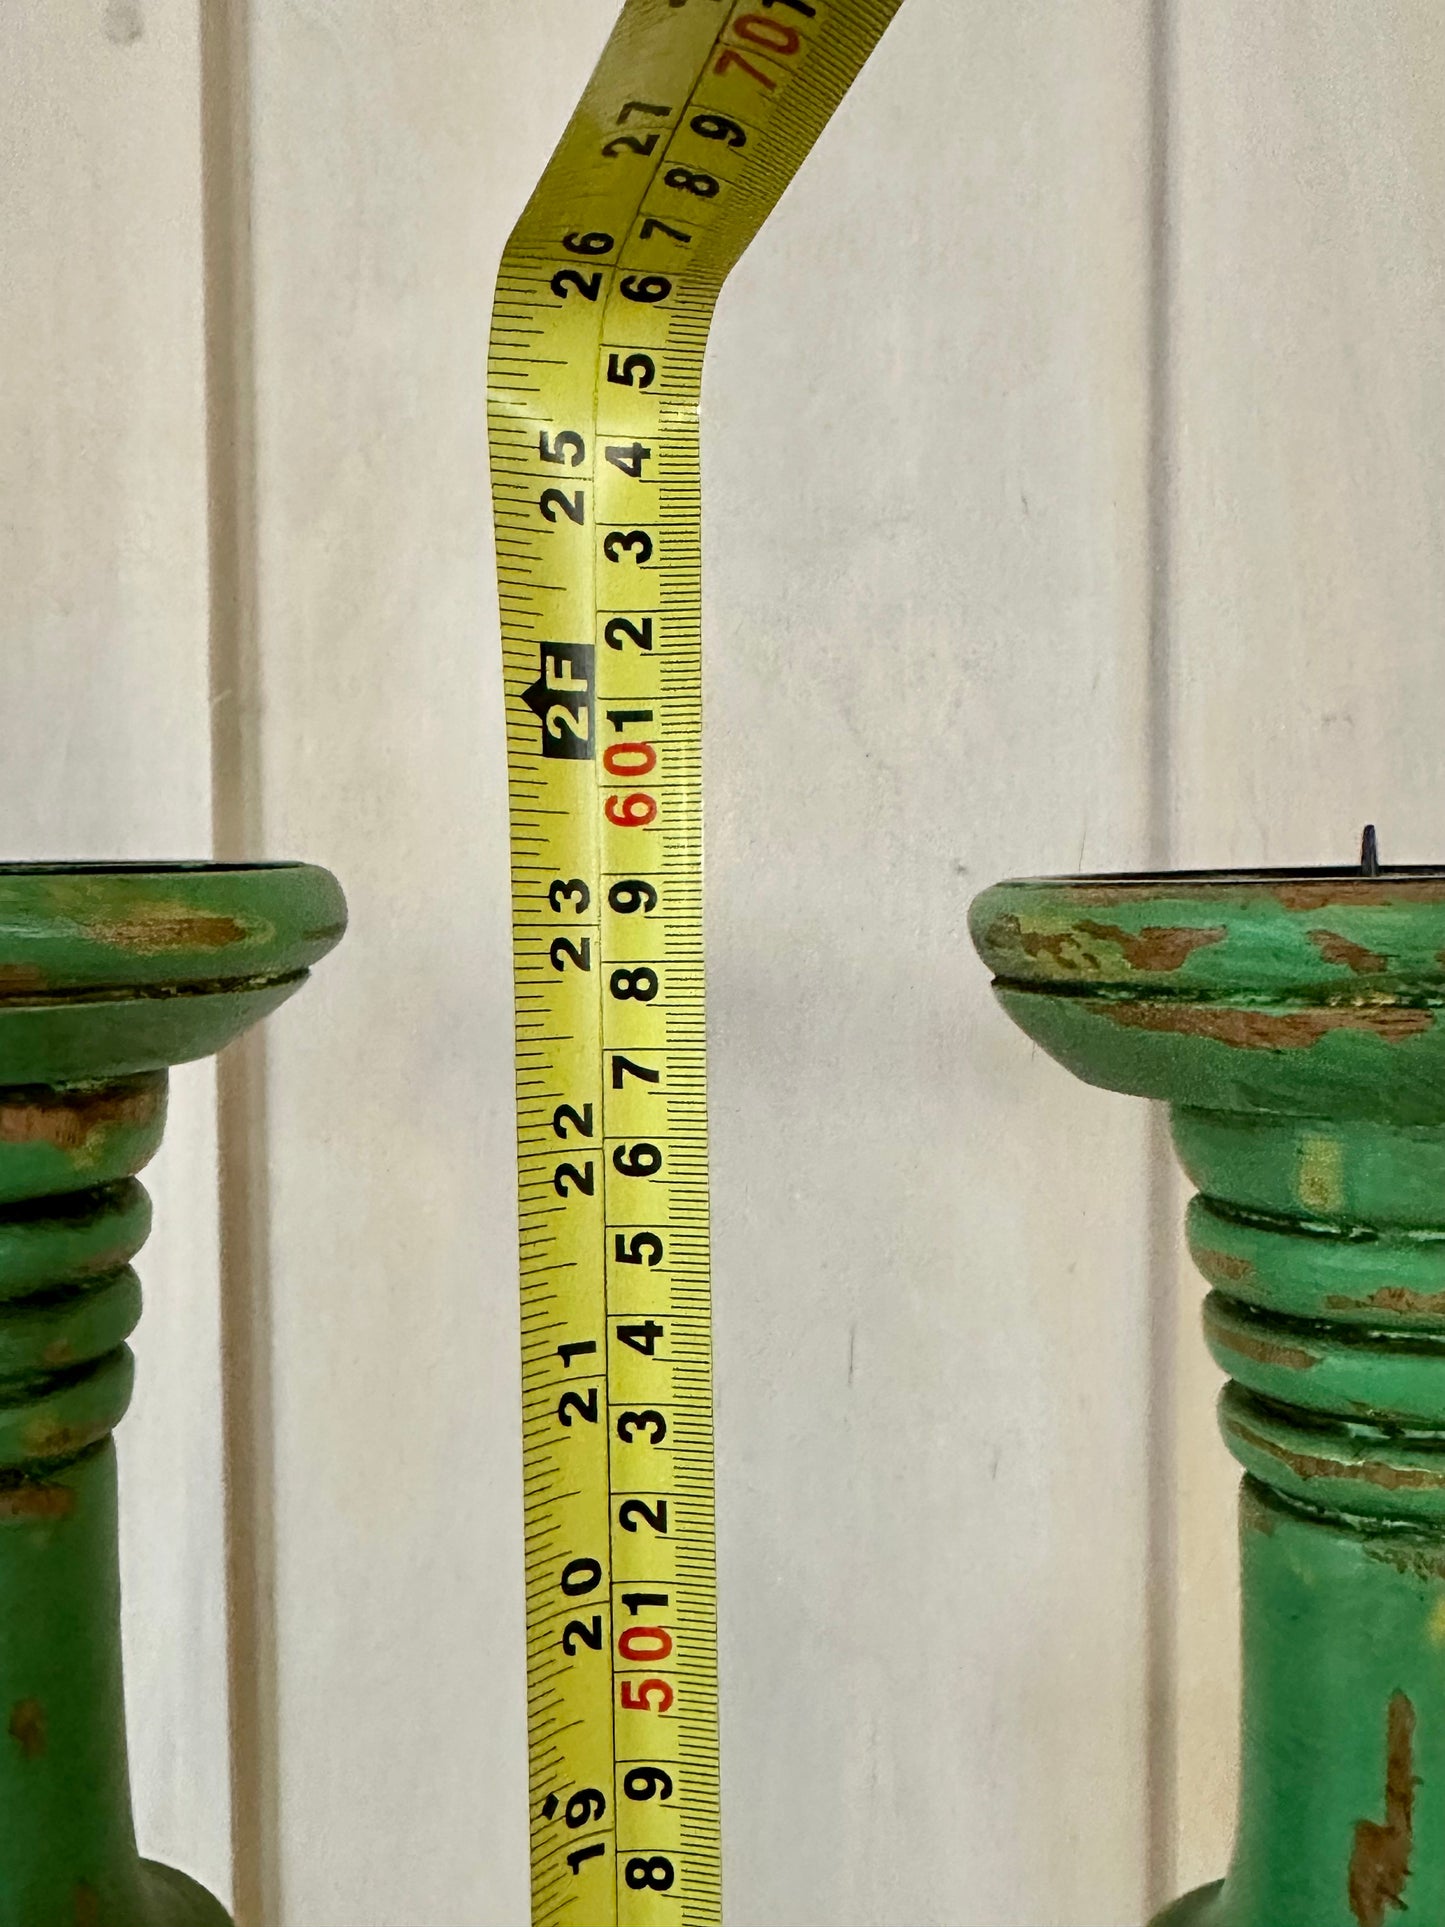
pixel 696 118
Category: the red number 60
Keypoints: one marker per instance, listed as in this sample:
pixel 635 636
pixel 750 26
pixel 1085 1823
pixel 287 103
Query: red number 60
pixel 631 812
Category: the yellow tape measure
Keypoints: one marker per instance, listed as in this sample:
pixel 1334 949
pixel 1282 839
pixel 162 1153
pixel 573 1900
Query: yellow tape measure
pixel 698 115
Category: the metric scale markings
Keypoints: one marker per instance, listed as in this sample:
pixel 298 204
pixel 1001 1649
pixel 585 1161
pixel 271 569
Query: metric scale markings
pixel 696 118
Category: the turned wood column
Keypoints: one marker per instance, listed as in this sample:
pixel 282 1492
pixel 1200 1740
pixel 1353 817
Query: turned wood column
pixel 1293 1022
pixel 108 974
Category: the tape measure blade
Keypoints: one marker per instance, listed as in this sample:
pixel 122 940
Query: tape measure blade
pixel 696 117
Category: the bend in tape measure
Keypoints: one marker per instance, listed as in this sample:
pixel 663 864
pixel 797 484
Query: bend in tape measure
pixel 698 115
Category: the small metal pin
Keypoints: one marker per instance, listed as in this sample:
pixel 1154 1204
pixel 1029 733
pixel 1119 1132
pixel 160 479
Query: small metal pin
pixel 1369 853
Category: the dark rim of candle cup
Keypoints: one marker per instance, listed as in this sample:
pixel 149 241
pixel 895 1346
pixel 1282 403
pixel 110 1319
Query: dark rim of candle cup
pixel 181 867
pixel 1351 873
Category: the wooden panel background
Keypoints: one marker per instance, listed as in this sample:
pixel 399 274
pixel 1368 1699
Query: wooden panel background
pixel 1073 495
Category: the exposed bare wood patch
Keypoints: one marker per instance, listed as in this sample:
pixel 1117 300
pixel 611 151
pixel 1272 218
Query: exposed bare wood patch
pixel 1336 949
pixel 1380 1862
pixel 1310 1465
pixel 1271 1029
pixel 27 1727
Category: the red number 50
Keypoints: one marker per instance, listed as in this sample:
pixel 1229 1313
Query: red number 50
pixel 637 1694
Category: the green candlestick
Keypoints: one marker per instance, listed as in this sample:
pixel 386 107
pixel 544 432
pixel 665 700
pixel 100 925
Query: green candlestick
pixel 1293 1022
pixel 108 974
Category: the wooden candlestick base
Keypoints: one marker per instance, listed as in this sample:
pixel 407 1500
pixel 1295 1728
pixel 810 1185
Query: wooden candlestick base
pixel 108 975
pixel 1294 1024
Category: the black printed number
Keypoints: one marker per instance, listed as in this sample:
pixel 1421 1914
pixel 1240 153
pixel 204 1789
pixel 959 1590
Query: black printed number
pixel 717 127
pixel 623 629
pixel 630 144
pixel 647 1783
pixel 623 1067
pixel 633 542
pixel 566 447
pixel 586 1805
pixel 580 1576
pixel 628 457
pixel 639 1160
pixel 688 182
pixel 632 371
pixel 631 1510
pixel 638 985
pixel 653 226
pixel 589 286
pixel 645 287
pixel 629 1424
pixel 655 1871
pixel 573 506
pixel 642 1248
pixel 631 895
pixel 589 1631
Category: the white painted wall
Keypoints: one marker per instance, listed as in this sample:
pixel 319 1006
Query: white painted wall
pixel 105 728
pixel 1096 523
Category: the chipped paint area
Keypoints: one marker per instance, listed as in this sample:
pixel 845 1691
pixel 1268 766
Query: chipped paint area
pixel 1246 892
pixel 71 1121
pixel 1263 1351
pixel 1088 950
pixel 1355 892
pixel 1251 1029
pixel 21 980
pixel 47 1438
pixel 1256 1514
pixel 1419 1559
pixel 1336 949
pixel 1224 1265
pixel 1394 1298
pixel 1157 947
pixel 27 1727
pixel 1308 1465
pixel 152 929
pixel 1121 895
pixel 1380 1860
pixel 28 1501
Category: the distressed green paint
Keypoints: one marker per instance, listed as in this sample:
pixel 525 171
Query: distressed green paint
pixel 1388 1279
pixel 1260 934
pixel 78 927
pixel 108 975
pixel 1344 1651
pixel 1296 1025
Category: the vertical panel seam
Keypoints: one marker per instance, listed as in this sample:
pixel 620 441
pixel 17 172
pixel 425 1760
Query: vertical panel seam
pixel 246 1383
pixel 1162 1494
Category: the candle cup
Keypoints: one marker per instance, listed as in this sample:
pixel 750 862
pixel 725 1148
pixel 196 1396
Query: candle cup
pixel 1295 1024
pixel 109 974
